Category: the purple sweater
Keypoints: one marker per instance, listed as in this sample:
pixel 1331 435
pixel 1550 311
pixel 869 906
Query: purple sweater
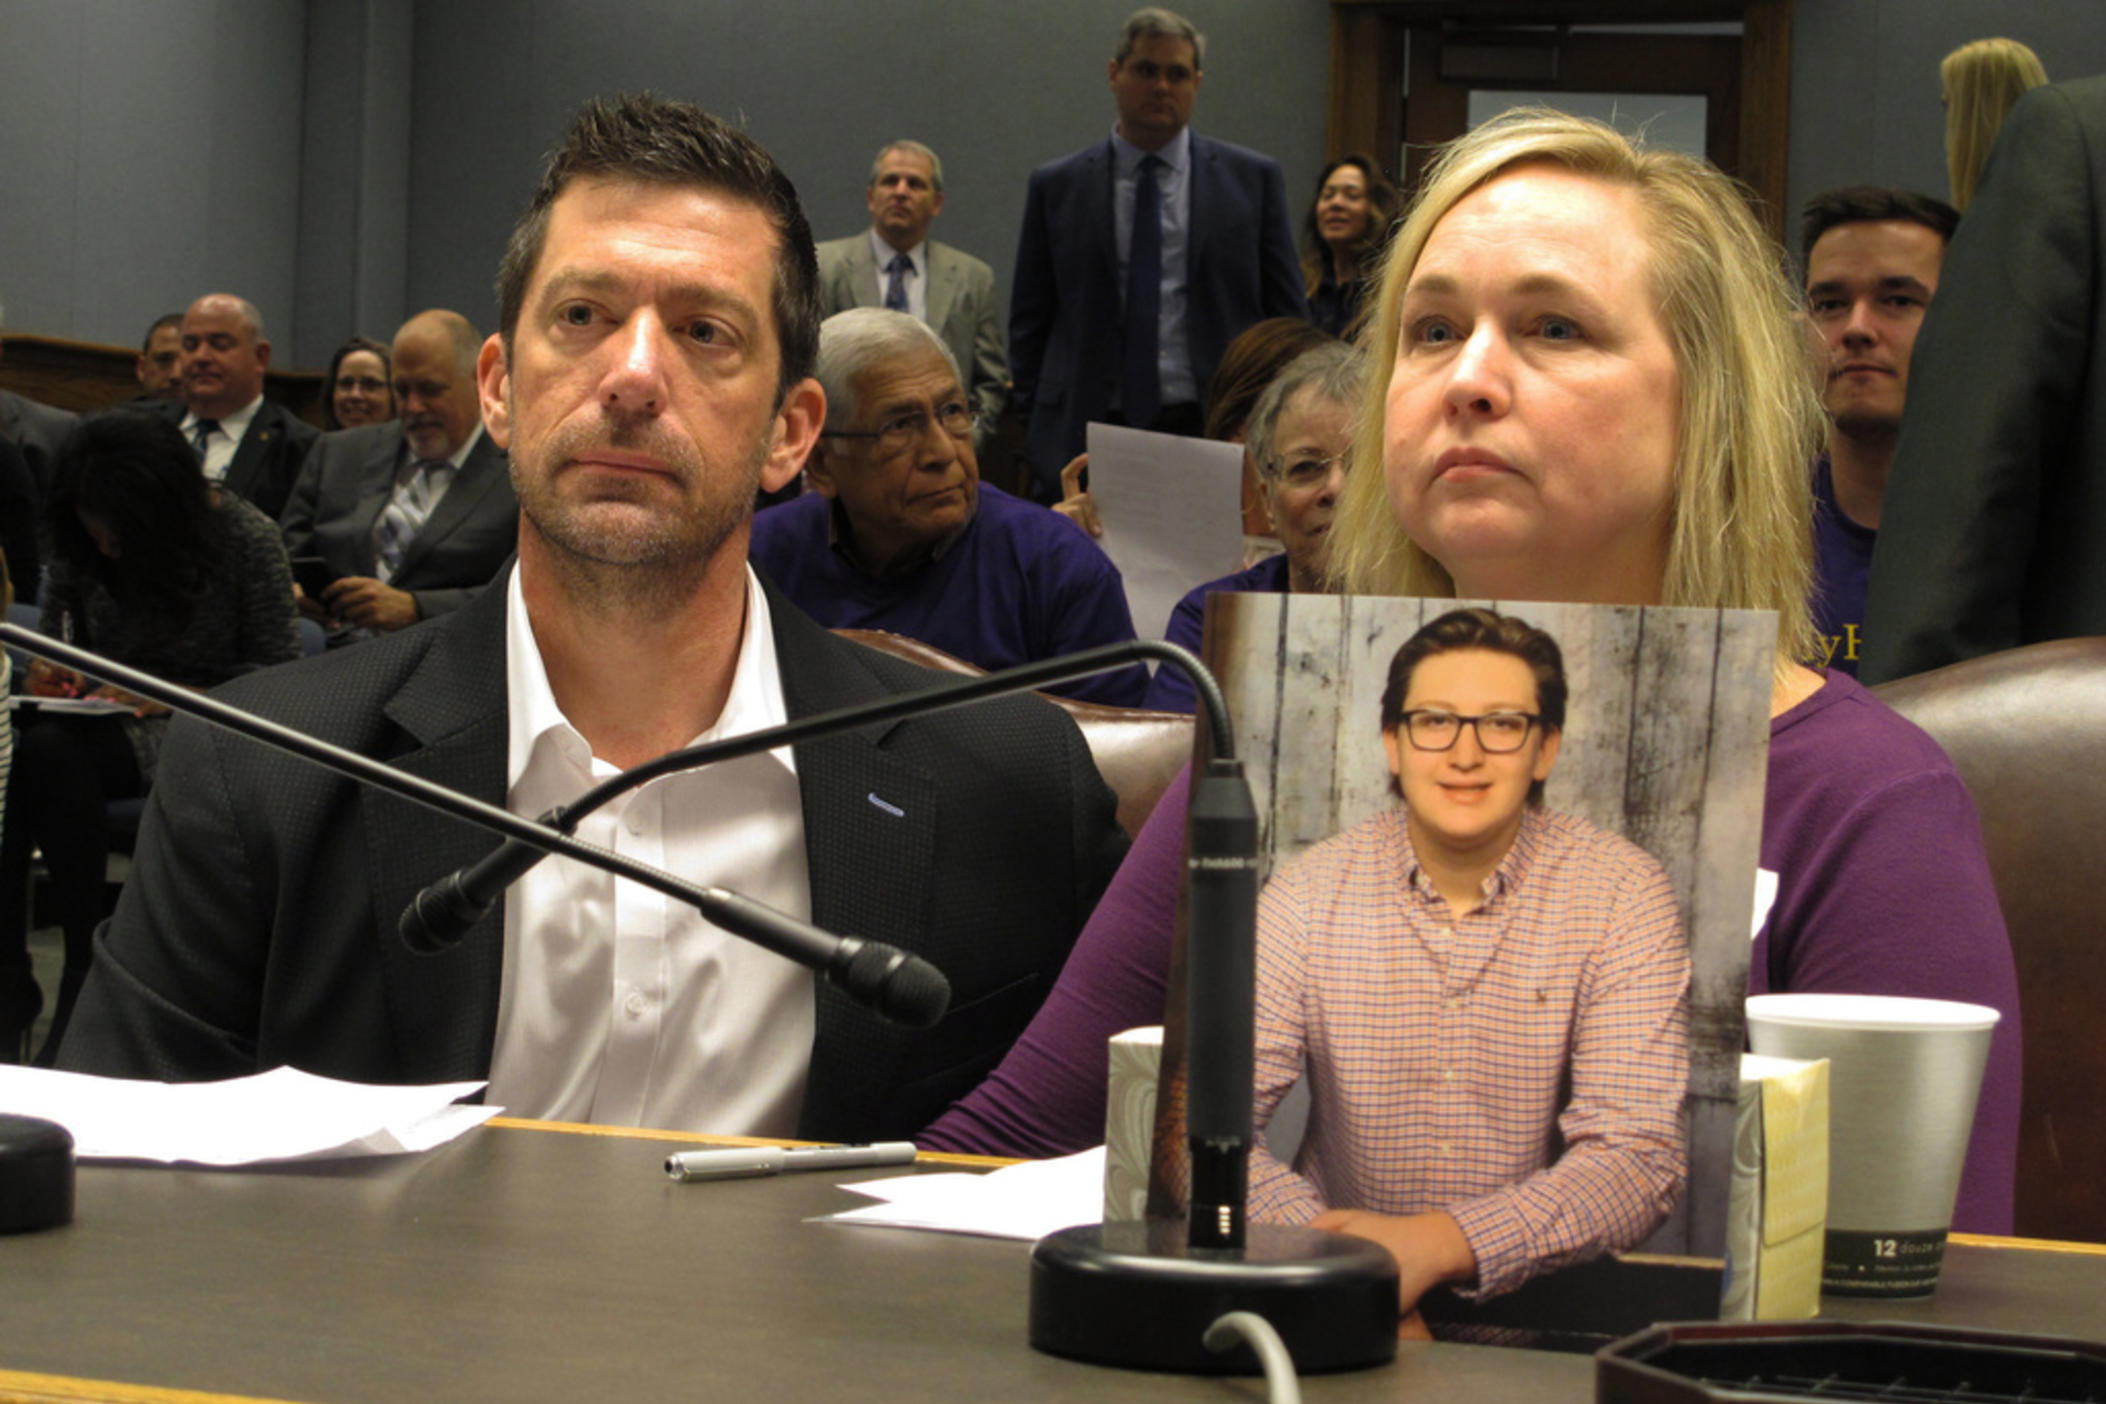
pixel 1882 889
pixel 1019 584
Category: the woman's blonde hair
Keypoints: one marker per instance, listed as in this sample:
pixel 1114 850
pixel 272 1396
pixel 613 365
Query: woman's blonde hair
pixel 1983 82
pixel 1748 422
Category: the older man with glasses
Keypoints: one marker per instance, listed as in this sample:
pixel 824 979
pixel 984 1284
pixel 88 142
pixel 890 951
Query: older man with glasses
pixel 900 534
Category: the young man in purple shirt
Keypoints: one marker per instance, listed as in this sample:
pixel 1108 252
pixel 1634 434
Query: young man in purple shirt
pixel 1872 260
pixel 900 534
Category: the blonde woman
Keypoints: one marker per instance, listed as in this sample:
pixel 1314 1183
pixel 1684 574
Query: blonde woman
pixel 1587 383
pixel 1982 82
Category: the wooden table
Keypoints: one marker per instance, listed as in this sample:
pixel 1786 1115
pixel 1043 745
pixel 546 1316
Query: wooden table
pixel 526 1262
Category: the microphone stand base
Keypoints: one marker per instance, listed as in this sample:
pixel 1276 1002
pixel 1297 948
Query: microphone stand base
pixel 1136 1295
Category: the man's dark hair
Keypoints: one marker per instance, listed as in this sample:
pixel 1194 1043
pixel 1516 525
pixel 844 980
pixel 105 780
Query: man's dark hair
pixel 1870 204
pixel 646 139
pixel 166 319
pixel 1491 632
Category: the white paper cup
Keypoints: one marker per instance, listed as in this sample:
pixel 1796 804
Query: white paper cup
pixel 1902 1081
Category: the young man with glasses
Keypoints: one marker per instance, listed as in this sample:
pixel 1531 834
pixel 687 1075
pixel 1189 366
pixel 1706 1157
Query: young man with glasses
pixel 1491 999
pixel 900 534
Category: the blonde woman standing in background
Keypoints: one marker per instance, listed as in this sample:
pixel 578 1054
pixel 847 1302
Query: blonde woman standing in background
pixel 1982 82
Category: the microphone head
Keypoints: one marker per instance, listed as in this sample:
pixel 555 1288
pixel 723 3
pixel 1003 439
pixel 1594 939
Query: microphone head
pixel 439 916
pixel 902 988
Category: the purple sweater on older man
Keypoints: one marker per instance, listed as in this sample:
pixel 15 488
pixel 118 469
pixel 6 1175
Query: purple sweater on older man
pixel 1020 583
pixel 1882 888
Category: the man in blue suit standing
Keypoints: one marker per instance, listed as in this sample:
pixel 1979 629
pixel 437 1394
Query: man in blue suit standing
pixel 1141 258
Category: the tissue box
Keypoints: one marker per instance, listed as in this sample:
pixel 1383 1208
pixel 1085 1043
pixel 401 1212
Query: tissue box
pixel 1778 1209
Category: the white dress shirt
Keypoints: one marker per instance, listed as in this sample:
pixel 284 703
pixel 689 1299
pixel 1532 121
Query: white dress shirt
pixel 917 281
pixel 1173 180
pixel 622 1006
pixel 219 449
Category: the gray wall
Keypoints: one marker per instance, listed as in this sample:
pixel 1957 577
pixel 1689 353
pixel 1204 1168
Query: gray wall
pixel 150 153
pixel 1865 81
pixel 994 86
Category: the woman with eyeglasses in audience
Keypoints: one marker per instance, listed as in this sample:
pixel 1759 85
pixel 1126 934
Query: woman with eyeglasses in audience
pixel 1297 437
pixel 155 567
pixel 360 386
pixel 1588 384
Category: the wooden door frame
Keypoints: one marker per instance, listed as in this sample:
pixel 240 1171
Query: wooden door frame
pixel 1367 70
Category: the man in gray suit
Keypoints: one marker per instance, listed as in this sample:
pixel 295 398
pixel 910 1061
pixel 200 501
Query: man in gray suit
pixel 895 264
pixel 410 518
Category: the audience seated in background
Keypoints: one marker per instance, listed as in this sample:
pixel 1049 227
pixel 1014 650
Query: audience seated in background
pixel 360 387
pixel 160 364
pixel 241 439
pixel 156 568
pixel 1492 468
pixel 658 318
pixel 1349 221
pixel 409 518
pixel 1872 257
pixel 1123 319
pixel 900 534
pixel 37 430
pixel 895 264
pixel 19 509
pixel 1300 436
pixel 1990 535
pixel 1567 943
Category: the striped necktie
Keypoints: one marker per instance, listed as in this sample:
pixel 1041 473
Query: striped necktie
pixel 403 518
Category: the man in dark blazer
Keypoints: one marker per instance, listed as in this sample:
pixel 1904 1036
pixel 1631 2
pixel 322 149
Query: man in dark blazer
pixel 947 289
pixel 37 430
pixel 1223 258
pixel 244 441
pixel 410 517
pixel 1990 535
pixel 658 330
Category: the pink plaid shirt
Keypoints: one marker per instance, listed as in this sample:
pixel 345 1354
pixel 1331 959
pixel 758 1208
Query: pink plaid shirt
pixel 1437 1051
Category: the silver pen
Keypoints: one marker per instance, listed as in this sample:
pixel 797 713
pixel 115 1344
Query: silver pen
pixel 742 1162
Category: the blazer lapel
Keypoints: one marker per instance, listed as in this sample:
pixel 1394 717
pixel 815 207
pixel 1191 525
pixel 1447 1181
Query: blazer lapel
pixel 477 476
pixel 943 282
pixel 443 1008
pixel 873 818
pixel 862 273
pixel 1198 224
pixel 1102 215
pixel 247 461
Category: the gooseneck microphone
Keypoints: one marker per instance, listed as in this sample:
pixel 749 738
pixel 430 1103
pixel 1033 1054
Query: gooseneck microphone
pixel 443 912
pixel 898 985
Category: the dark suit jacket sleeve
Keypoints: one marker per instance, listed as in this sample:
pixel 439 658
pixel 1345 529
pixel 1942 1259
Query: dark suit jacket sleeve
pixel 1995 389
pixel 1032 298
pixel 1278 264
pixel 297 521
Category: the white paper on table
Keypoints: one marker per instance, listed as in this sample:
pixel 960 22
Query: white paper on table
pixel 280 1115
pixel 1172 512
pixel 1026 1201
pixel 78 706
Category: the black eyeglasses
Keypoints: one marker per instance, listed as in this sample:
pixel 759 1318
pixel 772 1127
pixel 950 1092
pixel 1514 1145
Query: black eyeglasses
pixel 1498 733
pixel 903 431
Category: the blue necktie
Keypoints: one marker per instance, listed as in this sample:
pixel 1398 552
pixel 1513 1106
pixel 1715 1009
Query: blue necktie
pixel 896 289
pixel 1140 389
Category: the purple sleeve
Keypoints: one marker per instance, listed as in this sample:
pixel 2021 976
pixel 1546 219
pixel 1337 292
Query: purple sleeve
pixel 1892 895
pixel 1171 690
pixel 1047 1097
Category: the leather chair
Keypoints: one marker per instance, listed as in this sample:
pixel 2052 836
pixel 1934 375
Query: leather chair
pixel 2026 729
pixel 1138 752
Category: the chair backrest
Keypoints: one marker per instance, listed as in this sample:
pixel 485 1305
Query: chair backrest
pixel 1137 752
pixel 2026 729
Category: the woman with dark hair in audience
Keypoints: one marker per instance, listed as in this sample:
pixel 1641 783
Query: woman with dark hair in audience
pixel 1342 240
pixel 360 387
pixel 1299 437
pixel 1980 83
pixel 154 567
pixel 1589 383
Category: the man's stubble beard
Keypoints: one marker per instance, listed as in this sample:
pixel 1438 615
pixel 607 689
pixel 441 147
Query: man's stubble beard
pixel 632 559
